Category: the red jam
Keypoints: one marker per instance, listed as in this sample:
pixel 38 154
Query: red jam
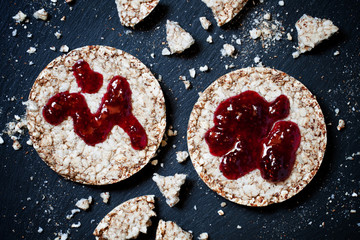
pixel 88 80
pixel 245 138
pixel 115 109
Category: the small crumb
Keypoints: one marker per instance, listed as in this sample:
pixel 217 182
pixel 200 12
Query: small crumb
pixel 41 14
pixel 192 72
pixel 84 203
pixel 209 39
pixel 31 63
pixel 154 162
pixel 221 212
pixel 352 211
pixel 336 53
pixel 354 194
pixel 31 50
pixel 14 33
pixel 68 1
pixel 165 52
pixel 204 68
pixel 186 83
pixel 341 124
pixel 1 140
pixel 73 211
pixel 238 41
pixel 205 23
pixel 76 225
pixel 255 33
pixel 289 37
pixel 172 133
pixel 337 111
pixel 40 230
pixel 16 145
pixel 29 142
pixel 203 236
pixel 281 3
pixel 223 204
pixel 295 54
pixel 20 17
pixel 195 208
pixel 152 55
pixel 238 227
pixel 162 165
pixel 29 35
pixel 53 48
pixel 105 196
pixel 257 59
pixel 181 156
pixel 64 49
pixel 63 18
pixel 267 16
pixel 228 50
pixel 57 34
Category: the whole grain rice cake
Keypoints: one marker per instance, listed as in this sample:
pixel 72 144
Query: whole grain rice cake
pixel 169 231
pixel 225 10
pixel 251 189
pixel 127 220
pixel 131 12
pixel 114 159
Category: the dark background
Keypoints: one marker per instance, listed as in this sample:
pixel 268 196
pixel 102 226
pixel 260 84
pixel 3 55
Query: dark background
pixel 320 211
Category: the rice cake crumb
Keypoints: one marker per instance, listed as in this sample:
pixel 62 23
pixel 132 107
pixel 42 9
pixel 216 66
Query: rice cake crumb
pixel 209 39
pixel 228 50
pixel 41 14
pixel 84 204
pixel 16 145
pixel 154 162
pixel 204 68
pixel 203 236
pixel 127 220
pixel 31 50
pixel 20 17
pixel 76 225
pixel 205 23
pixel 170 186
pixel 312 31
pixel 192 72
pixel 336 53
pixel 341 125
pixel 225 10
pixel 64 49
pixel 221 212
pixel 131 12
pixel 223 204
pixel 255 33
pixel 165 52
pixel 181 156
pixel 105 196
pixel 170 230
pixel 178 39
pixel 186 82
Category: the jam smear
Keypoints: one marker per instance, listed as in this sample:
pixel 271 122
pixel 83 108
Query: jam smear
pixel 115 109
pixel 245 138
pixel 88 80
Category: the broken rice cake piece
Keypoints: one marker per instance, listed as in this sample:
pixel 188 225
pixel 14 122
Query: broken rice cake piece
pixel 312 31
pixel 131 12
pixel 170 187
pixel 127 220
pixel 178 39
pixel 170 230
pixel 225 10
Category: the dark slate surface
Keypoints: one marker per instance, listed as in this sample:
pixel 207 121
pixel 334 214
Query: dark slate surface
pixel 320 211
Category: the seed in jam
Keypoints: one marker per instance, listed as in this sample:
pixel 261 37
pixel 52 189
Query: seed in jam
pixel 245 139
pixel 115 109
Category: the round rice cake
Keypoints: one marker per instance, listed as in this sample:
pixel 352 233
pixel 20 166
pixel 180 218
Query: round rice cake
pixel 114 159
pixel 251 189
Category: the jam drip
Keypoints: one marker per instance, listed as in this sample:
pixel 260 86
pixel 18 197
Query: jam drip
pixel 245 139
pixel 115 109
pixel 88 80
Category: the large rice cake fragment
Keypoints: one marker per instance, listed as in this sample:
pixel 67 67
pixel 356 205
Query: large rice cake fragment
pixel 170 231
pixel 131 12
pixel 178 39
pixel 127 220
pixel 225 10
pixel 312 31
pixel 170 187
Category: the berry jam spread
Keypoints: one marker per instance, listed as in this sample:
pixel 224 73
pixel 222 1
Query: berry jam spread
pixel 115 109
pixel 245 137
